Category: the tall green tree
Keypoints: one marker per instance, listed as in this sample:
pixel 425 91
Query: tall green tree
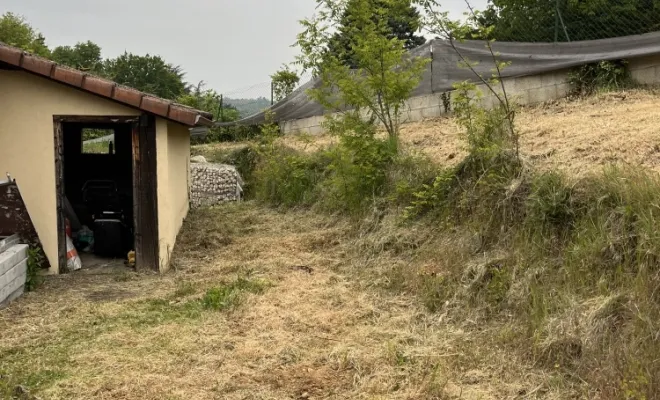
pixel 85 56
pixel 392 18
pixel 147 73
pixel 16 31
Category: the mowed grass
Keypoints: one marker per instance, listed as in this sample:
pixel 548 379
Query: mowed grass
pixel 261 305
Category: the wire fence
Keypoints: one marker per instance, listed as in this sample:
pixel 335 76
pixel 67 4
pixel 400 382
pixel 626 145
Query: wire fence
pixel 571 20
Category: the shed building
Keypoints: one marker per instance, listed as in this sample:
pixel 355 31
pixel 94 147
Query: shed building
pixel 142 178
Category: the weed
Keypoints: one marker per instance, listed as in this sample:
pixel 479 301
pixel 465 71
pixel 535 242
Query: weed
pixel 34 265
pixel 230 295
pixel 600 76
pixel 549 205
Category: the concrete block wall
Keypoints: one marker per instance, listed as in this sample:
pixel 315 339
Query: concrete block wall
pixel 645 70
pixel 526 90
pixel 13 270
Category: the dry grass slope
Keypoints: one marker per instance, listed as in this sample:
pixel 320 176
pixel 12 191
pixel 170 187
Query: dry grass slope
pixel 577 136
pixel 323 327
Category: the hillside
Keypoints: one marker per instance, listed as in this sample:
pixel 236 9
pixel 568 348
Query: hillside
pixel 247 107
pixel 575 136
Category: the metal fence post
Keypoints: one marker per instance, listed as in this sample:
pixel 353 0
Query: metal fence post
pixel 556 21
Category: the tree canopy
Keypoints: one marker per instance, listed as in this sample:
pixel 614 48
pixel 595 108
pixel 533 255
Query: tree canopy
pixel 393 18
pixel 569 20
pixel 15 31
pixel 85 56
pixel 148 73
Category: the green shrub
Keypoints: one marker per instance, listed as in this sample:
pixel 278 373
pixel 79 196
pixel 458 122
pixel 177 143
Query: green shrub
pixel 34 265
pixel 357 172
pixel 285 177
pixel 600 76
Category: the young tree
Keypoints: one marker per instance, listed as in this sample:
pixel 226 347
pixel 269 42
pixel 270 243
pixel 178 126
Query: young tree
pixel 384 75
pixel 148 73
pixel 15 31
pixel 85 56
pixel 394 18
pixel 284 82
pixel 479 124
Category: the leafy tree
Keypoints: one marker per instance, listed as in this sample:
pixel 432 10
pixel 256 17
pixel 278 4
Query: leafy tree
pixel 284 81
pixel 384 78
pixel 147 73
pixel 15 31
pixel 210 101
pixel 392 18
pixel 85 56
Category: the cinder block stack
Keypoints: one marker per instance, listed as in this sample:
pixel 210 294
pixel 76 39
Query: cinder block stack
pixel 13 269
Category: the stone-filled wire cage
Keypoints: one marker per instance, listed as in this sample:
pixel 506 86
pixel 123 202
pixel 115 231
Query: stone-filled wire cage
pixel 213 184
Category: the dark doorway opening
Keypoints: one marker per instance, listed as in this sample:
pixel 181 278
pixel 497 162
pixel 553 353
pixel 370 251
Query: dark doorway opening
pixel 104 203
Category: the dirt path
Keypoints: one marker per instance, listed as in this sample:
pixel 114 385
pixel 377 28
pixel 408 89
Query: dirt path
pixel 318 331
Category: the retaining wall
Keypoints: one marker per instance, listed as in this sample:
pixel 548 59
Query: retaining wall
pixel 527 90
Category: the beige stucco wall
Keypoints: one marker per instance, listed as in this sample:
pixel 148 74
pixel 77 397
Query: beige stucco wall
pixel 173 149
pixel 27 106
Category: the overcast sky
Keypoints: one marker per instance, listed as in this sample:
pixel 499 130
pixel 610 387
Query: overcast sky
pixel 230 44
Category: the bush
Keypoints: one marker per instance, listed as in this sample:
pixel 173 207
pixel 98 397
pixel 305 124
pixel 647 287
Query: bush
pixel 357 173
pixel 602 76
pixel 285 177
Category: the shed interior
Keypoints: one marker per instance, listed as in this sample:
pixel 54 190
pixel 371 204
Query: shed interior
pixel 98 188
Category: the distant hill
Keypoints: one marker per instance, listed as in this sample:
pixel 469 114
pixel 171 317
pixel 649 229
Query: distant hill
pixel 247 107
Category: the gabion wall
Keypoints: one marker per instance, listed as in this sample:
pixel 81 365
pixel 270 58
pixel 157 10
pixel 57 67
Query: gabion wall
pixel 214 183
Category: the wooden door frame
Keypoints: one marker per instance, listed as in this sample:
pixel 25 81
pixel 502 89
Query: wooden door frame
pixel 145 191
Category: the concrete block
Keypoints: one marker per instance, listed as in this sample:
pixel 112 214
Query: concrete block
pixel 416 103
pixel 12 296
pixel 8 242
pixel 432 112
pixel 645 76
pixel 12 256
pixel 9 291
pixel 563 90
pixel 643 62
pixel 541 95
pixel 554 78
pixel 315 130
pixel 413 116
pixel 17 270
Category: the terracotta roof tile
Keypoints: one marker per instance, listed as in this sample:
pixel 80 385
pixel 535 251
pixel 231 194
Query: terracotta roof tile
pixel 155 105
pixel 37 65
pixel 68 76
pixel 104 88
pixel 101 87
